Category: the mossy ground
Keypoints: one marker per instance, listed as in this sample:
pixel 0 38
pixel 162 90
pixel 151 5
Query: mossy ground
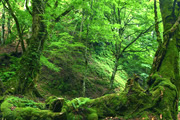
pixel 68 81
pixel 15 108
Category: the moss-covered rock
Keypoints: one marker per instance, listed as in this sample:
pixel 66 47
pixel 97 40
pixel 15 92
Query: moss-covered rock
pixel 54 103
pixel 14 108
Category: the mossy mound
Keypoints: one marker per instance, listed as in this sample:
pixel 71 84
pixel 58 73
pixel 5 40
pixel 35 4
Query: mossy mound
pixel 14 108
pixel 133 102
pixel 54 103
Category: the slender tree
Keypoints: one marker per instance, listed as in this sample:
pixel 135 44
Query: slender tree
pixel 18 27
pixel 9 25
pixel 3 26
pixel 120 48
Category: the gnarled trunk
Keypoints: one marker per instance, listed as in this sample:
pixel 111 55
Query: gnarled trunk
pixel 30 62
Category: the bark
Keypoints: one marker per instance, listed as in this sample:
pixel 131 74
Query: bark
pixel 9 25
pixel 30 65
pixel 114 73
pixel 156 24
pixel 3 25
pixel 2 90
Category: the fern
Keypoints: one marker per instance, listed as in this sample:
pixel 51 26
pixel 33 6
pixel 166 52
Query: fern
pixel 50 65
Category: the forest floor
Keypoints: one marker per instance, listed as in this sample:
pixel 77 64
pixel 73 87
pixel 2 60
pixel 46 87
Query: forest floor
pixel 43 87
pixel 10 48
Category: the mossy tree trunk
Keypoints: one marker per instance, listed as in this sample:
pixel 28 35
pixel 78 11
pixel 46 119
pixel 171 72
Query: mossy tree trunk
pixel 30 61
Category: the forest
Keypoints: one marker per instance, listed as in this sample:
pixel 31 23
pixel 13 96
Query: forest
pixel 89 59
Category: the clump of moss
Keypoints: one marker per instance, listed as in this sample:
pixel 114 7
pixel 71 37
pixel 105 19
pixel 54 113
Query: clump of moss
pixel 14 108
pixel 54 103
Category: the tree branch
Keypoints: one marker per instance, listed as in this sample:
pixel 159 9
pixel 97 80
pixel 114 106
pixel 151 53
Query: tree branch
pixel 174 27
pixel 17 24
pixel 64 13
pixel 135 51
pixel 159 40
pixel 130 35
pixel 27 8
pixel 147 30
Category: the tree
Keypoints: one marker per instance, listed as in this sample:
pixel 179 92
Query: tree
pixel 30 65
pixel 3 26
pixel 27 74
pixel 126 29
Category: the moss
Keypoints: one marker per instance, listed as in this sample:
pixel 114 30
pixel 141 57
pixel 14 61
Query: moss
pixel 134 102
pixel 72 116
pixel 164 95
pixel 13 111
pixel 92 116
pixel 54 103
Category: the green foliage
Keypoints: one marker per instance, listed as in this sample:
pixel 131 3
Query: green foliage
pixel 102 67
pixel 7 75
pixel 79 102
pixel 9 70
pixel 48 64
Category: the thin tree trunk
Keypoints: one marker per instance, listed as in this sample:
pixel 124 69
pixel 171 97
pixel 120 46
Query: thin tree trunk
pixel 114 74
pixel 3 25
pixel 81 27
pixel 157 24
pixel 2 90
pixel 9 25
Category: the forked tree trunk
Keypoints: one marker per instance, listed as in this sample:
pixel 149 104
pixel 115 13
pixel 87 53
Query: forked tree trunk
pixel 30 62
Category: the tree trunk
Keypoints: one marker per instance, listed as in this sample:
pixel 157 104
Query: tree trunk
pixel 114 74
pixel 17 23
pixel 9 25
pixel 30 62
pixel 3 25
pixel 2 90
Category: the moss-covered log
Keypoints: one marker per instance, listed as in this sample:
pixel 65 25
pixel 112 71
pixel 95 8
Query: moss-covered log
pixel 159 102
pixel 14 108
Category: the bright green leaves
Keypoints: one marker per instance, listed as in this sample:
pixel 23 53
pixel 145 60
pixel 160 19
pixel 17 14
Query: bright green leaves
pixel 48 64
pixel 64 42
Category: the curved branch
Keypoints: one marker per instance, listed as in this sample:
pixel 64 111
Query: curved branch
pixel 64 13
pixel 17 24
pixel 159 40
pixel 143 32
pixel 27 8
pixel 174 27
